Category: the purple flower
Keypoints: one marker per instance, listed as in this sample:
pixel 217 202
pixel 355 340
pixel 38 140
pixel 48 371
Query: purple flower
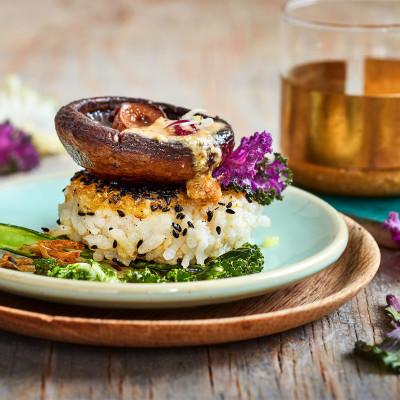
pixel 273 175
pixel 249 167
pixel 17 152
pixel 392 224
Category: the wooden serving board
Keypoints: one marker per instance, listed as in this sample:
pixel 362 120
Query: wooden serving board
pixel 264 315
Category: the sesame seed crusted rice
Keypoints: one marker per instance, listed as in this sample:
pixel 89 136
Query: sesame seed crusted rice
pixel 116 231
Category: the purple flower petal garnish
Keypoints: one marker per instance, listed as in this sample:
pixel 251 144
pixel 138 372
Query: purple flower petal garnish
pixel 17 153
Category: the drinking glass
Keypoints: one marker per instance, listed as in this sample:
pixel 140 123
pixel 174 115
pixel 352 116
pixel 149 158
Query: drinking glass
pixel 340 111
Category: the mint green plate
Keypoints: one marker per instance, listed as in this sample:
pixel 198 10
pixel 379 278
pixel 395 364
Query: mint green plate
pixel 312 235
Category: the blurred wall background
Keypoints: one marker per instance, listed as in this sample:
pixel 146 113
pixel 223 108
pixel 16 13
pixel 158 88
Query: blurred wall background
pixel 218 55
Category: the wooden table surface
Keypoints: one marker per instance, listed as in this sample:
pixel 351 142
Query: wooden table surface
pixel 222 56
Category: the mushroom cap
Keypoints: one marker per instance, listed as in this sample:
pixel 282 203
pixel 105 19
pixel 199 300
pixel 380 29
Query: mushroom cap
pixel 85 129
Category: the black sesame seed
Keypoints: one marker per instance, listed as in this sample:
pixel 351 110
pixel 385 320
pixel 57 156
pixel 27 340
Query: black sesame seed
pixel 121 213
pixel 90 213
pixel 115 244
pixel 177 227
pixel 139 243
pixel 110 229
pixel 218 229
pixel 190 224
pixel 58 221
pixel 229 205
pixel 248 198
pixel 184 232
pixel 175 233
pixel 165 209
pixel 63 190
pixel 94 247
pixel 168 200
pixel 12 260
pixel 229 211
pixel 209 215
pixel 142 255
pixel 119 263
pixel 178 208
pixel 81 214
pixel 180 215
pixel 153 208
pixel 221 204
pixel 45 229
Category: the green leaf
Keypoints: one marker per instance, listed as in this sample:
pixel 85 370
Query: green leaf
pixel 143 276
pixel 393 313
pixel 245 260
pixel 88 271
pixel 180 275
pixel 386 359
pixel 45 266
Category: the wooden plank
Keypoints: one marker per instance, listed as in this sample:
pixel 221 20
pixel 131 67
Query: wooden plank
pixel 314 361
pixel 22 365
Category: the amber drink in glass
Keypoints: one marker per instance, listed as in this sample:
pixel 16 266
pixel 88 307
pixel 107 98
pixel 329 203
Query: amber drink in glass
pixel 340 111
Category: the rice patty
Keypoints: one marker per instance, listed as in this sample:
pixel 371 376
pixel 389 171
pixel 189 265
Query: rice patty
pixel 123 222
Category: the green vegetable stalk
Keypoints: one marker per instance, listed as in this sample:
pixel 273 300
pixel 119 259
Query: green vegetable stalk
pixel 12 238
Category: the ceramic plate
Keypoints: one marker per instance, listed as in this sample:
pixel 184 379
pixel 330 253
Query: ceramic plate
pixel 312 235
